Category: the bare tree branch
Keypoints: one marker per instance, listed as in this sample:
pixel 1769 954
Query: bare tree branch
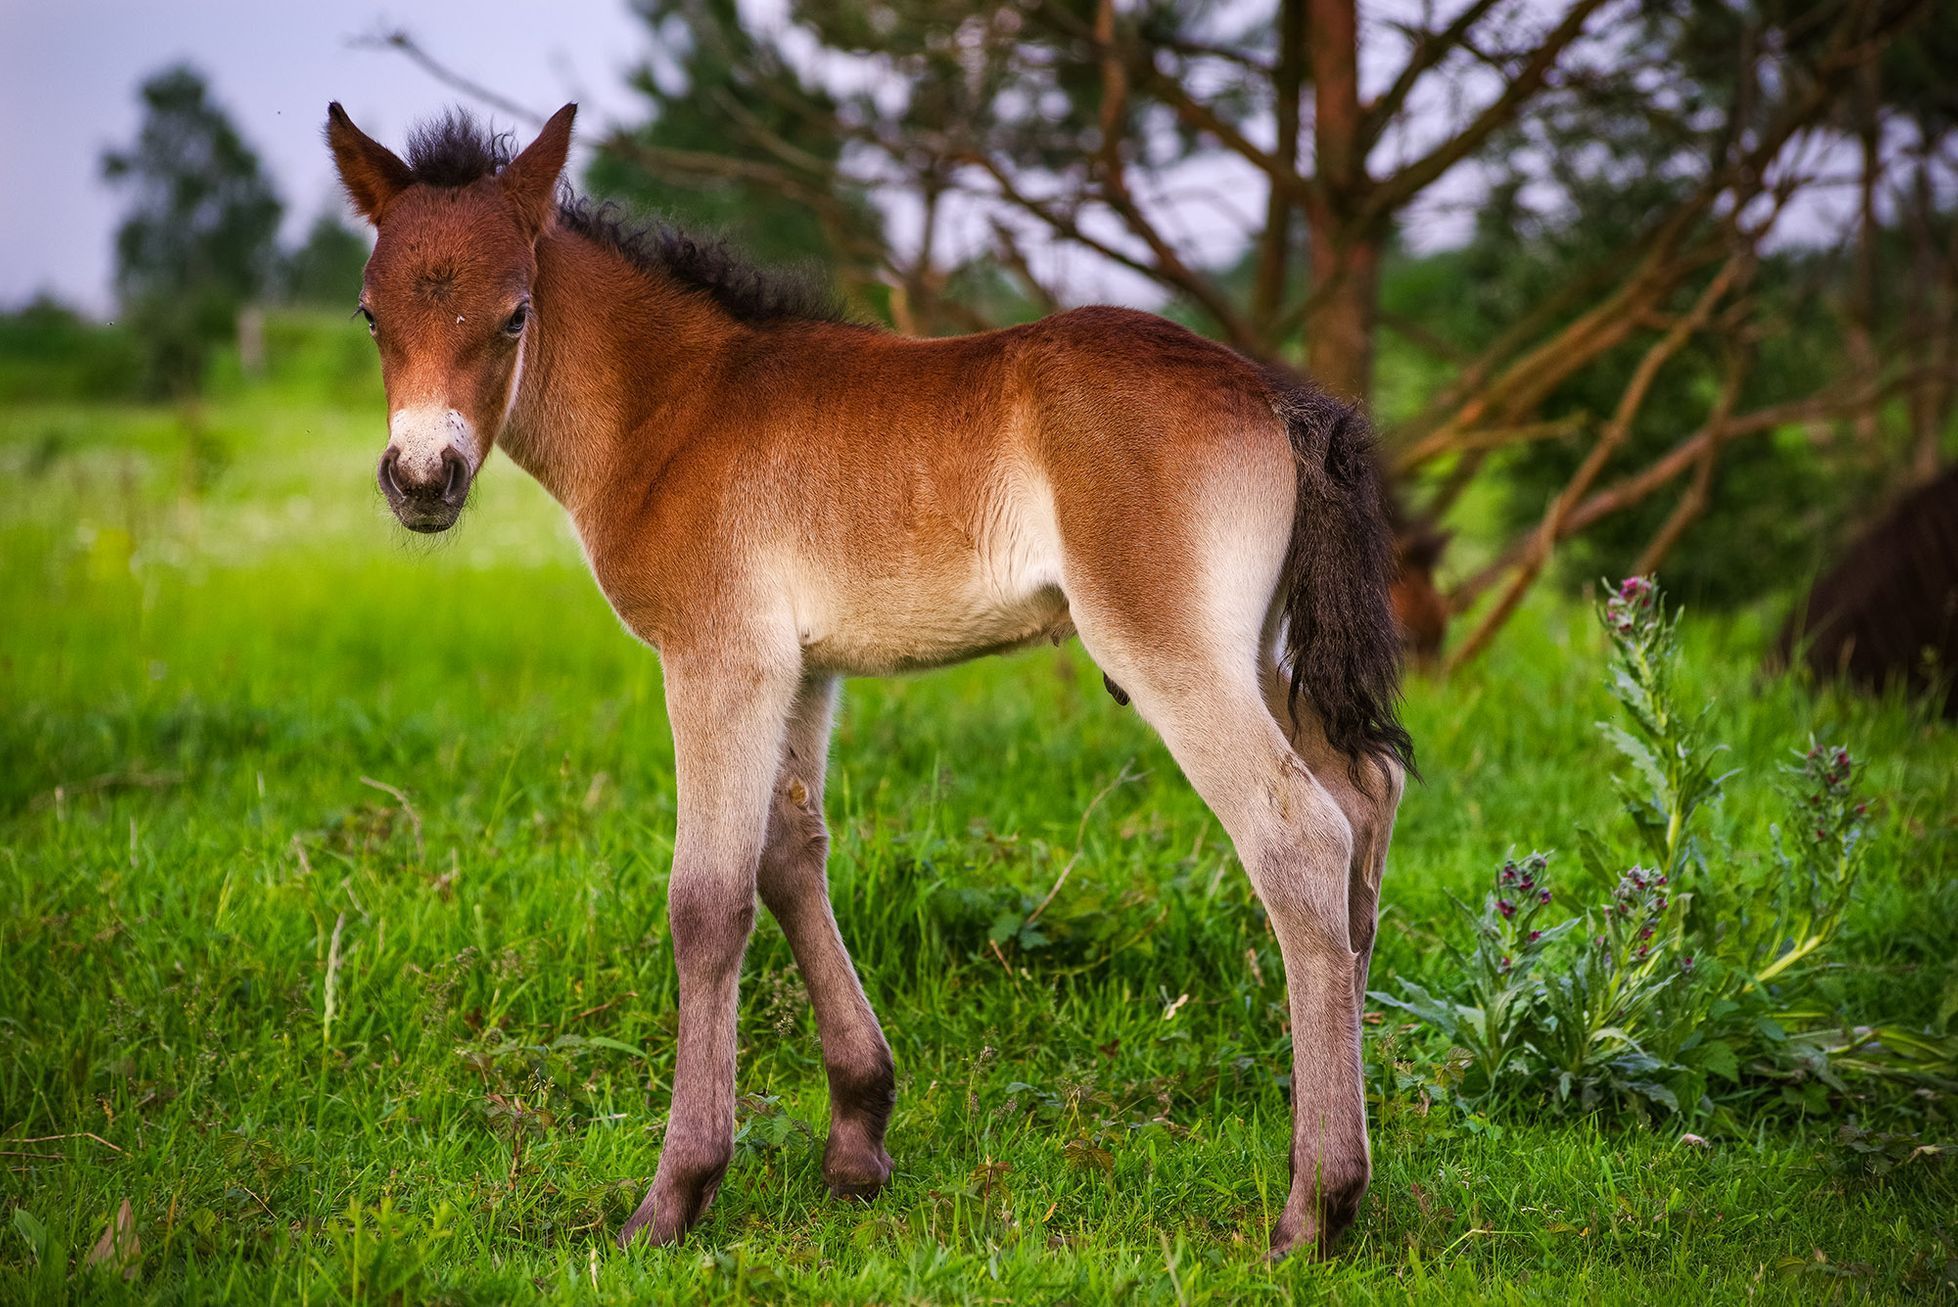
pixel 1394 191
pixel 399 40
pixel 1545 538
pixel 1430 47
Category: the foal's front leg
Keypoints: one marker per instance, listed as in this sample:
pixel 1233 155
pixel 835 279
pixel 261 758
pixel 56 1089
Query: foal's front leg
pixel 728 716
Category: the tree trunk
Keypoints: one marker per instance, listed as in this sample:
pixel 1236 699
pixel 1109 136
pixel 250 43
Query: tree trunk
pixel 1345 260
pixel 1933 303
pixel 1861 336
pixel 1274 252
pixel 1339 333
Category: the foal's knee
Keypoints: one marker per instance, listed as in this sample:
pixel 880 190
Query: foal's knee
pixel 710 918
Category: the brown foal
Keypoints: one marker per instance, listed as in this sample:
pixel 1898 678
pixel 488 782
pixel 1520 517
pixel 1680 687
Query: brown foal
pixel 775 499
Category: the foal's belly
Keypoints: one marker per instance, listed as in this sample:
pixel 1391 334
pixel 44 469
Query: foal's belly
pixel 880 631
pixel 942 599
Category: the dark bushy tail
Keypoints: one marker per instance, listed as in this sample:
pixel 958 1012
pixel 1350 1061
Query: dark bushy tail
pixel 1340 640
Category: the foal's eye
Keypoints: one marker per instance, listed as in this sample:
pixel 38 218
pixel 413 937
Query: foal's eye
pixel 368 314
pixel 514 327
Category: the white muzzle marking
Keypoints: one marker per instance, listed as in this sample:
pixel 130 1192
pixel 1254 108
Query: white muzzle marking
pixel 418 435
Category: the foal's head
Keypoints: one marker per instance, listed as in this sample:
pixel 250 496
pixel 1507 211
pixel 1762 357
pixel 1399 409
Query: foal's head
pixel 447 293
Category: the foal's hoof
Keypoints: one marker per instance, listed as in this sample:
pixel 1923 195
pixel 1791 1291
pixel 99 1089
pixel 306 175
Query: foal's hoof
pixel 860 1173
pixel 641 1222
pixel 1312 1235
pixel 1290 1239
pixel 667 1213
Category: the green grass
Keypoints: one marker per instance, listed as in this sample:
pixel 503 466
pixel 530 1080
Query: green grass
pixel 212 639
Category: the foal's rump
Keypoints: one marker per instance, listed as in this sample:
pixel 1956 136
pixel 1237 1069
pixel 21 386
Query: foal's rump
pixel 1172 483
pixel 1207 505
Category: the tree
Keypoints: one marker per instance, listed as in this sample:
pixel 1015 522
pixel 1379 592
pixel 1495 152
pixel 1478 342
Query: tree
pixel 326 267
pixel 199 239
pixel 1668 406
pixel 711 73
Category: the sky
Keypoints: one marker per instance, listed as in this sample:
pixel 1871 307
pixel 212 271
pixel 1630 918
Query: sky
pixel 69 71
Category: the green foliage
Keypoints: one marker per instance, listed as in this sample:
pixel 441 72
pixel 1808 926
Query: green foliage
pixel 1690 989
pixel 1576 184
pixel 386 1253
pixel 48 351
pixel 199 240
pixel 326 268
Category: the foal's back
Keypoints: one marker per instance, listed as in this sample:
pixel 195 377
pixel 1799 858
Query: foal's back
pixel 916 502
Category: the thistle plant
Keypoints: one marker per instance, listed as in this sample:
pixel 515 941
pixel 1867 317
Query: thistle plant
pixel 1673 772
pixel 1817 857
pixel 1688 987
pixel 1488 1017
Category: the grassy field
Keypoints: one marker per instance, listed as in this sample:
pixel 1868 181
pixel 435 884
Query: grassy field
pixel 332 939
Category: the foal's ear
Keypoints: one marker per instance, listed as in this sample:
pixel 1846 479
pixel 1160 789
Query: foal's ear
pixel 369 170
pixel 530 179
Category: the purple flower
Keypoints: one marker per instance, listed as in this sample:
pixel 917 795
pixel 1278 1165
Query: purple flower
pixel 1505 907
pixel 1535 935
pixel 1543 896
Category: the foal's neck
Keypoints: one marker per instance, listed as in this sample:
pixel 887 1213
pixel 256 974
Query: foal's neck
pixel 616 351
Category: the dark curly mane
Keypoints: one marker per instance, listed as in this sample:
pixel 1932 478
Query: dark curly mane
pixel 702 263
pixel 455 150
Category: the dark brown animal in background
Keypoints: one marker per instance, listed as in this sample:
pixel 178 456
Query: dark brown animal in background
pixel 1420 609
pixel 775 499
pixel 1888 612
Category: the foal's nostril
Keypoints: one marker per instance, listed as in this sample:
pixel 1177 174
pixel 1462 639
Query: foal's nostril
pixel 457 483
pixel 389 486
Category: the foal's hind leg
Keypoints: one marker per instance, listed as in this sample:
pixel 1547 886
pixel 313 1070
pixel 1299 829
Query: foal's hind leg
pixel 1369 809
pixel 1297 845
pixel 795 888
